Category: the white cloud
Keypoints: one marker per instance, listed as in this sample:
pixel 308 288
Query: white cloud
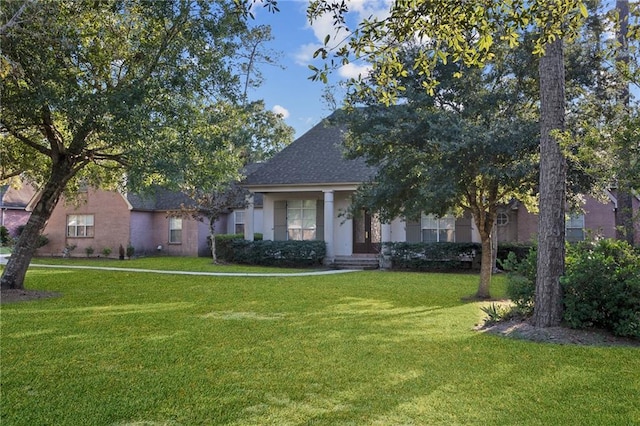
pixel 324 25
pixel 304 55
pixel 280 110
pixel 352 70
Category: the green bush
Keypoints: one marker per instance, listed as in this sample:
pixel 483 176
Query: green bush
pixel 519 250
pixel 432 256
pixel 602 287
pixel 521 280
pixel 278 253
pixel 4 236
pixel 224 251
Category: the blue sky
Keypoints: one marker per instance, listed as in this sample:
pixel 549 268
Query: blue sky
pixel 289 90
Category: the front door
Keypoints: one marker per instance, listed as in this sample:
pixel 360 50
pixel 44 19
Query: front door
pixel 366 233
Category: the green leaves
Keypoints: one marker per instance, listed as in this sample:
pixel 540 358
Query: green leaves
pixel 445 31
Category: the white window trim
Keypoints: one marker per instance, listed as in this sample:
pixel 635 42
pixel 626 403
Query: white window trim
pixel 504 215
pixel 237 222
pixel 84 221
pixel 440 225
pixel 570 223
pixel 173 221
pixel 301 229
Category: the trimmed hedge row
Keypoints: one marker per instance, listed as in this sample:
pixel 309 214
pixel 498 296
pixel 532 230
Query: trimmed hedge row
pixel 445 256
pixel 432 256
pixel 276 253
pixel 224 251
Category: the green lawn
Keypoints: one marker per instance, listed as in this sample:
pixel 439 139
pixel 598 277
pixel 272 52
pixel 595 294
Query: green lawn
pixel 365 348
pixel 168 263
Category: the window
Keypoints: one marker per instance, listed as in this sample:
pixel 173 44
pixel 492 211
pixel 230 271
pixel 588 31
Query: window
pixel 175 230
pixel 301 220
pixel 502 219
pixel 438 230
pixel 238 220
pixel 80 225
pixel 574 228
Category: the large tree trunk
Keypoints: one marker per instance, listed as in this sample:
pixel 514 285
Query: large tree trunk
pixel 486 267
pixel 485 223
pixel 553 171
pixel 16 268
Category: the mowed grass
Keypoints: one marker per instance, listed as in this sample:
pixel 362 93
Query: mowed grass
pixel 364 348
pixel 166 263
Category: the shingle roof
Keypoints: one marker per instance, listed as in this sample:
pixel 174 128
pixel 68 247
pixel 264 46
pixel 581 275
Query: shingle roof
pixel 159 199
pixel 314 158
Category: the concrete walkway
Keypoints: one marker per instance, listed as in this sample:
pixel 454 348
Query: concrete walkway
pixel 3 261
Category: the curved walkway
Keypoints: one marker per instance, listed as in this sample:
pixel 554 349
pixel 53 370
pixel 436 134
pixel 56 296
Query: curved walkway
pixel 211 274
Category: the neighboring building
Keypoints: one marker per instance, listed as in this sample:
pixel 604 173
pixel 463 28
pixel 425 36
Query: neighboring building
pixel 307 190
pixel 13 206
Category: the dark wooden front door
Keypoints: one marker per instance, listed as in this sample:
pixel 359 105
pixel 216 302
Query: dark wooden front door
pixel 366 233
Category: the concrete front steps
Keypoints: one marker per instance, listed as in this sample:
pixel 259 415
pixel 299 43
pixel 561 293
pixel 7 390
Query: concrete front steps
pixel 356 261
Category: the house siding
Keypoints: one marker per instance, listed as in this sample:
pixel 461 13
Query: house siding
pixel 13 219
pixel 111 224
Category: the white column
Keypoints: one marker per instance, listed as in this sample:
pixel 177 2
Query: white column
pixel 249 218
pixel 386 232
pixel 328 226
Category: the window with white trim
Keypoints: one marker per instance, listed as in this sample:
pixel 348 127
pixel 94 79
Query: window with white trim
pixel 301 220
pixel 438 229
pixel 574 228
pixel 80 226
pixel 502 219
pixel 175 230
pixel 238 222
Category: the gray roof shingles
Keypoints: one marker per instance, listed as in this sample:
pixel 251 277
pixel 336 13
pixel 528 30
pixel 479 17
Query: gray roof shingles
pixel 314 158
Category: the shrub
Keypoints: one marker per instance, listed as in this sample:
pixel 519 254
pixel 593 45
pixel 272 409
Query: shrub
pixel 519 250
pixel 521 280
pixel 432 256
pixel 4 236
pixel 43 240
pixel 88 251
pixel 130 251
pixel 106 251
pixel 278 253
pixel 496 313
pixel 602 287
pixel 224 250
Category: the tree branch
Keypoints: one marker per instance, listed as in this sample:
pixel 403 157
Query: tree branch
pixel 25 140
pixel 14 19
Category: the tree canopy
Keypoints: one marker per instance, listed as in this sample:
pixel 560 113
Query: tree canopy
pixel 466 34
pixel 110 93
pixel 471 145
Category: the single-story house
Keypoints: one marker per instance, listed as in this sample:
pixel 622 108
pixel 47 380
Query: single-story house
pixel 307 190
pixel 150 223
pixel 13 206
